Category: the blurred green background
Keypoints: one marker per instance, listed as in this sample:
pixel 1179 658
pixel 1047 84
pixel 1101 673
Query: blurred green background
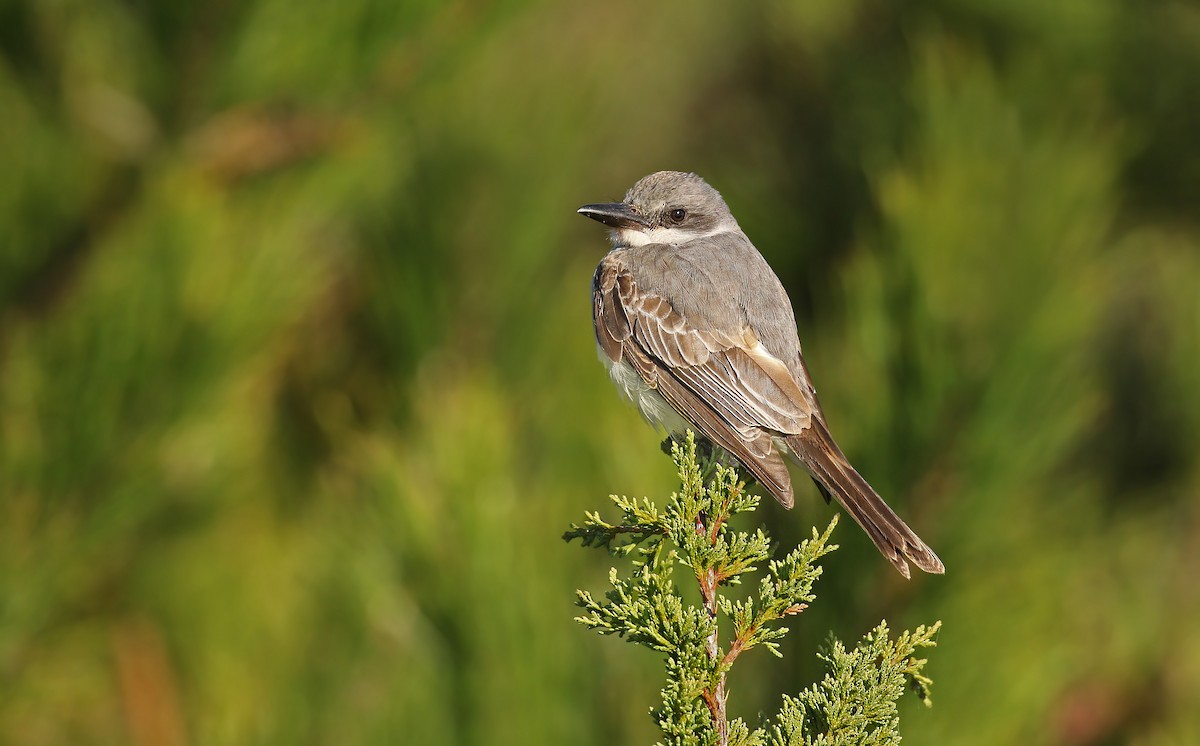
pixel 298 388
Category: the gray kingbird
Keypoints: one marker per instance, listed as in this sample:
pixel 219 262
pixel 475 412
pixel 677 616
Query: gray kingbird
pixel 699 333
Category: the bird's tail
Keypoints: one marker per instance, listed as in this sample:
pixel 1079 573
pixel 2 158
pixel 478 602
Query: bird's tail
pixel 816 450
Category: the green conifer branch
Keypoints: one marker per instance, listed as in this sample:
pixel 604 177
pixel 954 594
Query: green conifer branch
pixel 856 700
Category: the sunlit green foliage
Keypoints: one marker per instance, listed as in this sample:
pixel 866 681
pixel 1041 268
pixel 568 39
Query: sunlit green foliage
pixel 298 386
pixel 855 703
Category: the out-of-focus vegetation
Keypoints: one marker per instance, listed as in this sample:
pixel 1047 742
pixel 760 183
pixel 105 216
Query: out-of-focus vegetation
pixel 298 387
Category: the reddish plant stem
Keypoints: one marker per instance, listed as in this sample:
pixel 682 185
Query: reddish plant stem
pixel 739 644
pixel 715 697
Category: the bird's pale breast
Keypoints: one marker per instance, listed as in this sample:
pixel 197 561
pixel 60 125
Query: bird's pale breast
pixel 649 402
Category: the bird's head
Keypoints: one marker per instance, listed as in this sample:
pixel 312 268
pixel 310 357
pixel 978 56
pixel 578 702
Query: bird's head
pixel 667 207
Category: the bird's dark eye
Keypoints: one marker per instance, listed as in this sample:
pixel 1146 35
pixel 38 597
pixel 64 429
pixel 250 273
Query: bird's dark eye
pixel 678 214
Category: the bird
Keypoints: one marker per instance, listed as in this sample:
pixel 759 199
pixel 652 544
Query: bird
pixel 699 333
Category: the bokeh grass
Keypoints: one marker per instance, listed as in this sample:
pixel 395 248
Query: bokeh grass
pixel 298 388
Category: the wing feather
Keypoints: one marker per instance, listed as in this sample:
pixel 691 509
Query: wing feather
pixel 757 454
pixel 612 325
pixel 742 381
pixel 722 381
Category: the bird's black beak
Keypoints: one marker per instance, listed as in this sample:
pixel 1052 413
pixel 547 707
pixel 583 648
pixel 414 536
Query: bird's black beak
pixel 614 215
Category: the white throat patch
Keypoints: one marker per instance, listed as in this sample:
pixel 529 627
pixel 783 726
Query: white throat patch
pixel 634 237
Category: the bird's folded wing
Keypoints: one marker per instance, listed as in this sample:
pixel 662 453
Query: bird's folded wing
pixel 729 369
pixel 722 380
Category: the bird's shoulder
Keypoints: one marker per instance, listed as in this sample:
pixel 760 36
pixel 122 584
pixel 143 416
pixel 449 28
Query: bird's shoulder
pixel 704 280
pixel 717 283
pixel 731 335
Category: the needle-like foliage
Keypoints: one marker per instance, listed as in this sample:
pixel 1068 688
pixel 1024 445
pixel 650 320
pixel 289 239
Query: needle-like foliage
pixel 855 703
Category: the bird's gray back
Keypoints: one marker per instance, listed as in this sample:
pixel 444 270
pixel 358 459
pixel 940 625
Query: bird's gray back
pixel 723 283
